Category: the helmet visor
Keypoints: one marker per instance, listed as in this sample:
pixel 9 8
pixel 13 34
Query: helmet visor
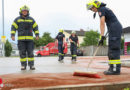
pixel 24 10
pixel 89 7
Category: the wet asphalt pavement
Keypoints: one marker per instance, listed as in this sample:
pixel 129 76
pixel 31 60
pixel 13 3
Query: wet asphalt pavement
pixel 42 64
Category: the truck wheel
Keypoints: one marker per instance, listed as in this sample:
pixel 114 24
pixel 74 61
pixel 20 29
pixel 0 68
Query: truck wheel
pixel 39 55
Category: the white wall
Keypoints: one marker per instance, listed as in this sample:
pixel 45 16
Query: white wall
pixel 127 37
pixel 67 35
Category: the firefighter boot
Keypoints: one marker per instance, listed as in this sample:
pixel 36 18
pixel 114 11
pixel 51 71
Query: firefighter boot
pixel 32 68
pixel 23 67
pixel 73 60
pixel 60 59
pixel 110 70
pixel 118 67
pixel 31 65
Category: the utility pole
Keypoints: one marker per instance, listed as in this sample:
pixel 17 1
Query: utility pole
pixel 3 37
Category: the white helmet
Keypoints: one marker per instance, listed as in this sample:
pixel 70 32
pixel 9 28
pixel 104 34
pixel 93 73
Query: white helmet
pixel 73 32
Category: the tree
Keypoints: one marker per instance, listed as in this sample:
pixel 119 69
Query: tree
pixel 8 48
pixel 45 39
pixel 91 38
pixel 38 42
pixel 122 43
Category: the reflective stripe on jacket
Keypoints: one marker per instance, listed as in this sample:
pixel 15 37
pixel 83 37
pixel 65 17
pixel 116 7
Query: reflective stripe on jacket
pixel 25 27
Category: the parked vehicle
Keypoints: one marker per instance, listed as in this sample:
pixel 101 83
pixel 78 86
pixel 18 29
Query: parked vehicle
pixel 50 48
pixel 79 52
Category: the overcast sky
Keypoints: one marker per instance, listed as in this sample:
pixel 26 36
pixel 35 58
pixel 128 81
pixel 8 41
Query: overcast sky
pixel 51 15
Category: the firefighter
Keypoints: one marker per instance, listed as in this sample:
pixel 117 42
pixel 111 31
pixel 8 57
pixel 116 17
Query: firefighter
pixel 60 39
pixel 114 29
pixel 74 44
pixel 25 26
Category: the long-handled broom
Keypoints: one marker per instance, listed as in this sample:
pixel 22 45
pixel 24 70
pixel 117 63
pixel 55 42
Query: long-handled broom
pixel 89 73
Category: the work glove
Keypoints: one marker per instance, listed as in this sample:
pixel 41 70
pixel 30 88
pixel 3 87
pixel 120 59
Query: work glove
pixel 78 46
pixel 74 43
pixel 101 41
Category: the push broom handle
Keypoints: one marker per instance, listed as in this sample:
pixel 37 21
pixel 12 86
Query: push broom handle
pixel 93 57
pixel 95 54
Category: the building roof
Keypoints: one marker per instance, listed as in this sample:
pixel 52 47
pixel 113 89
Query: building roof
pixel 126 30
pixel 78 33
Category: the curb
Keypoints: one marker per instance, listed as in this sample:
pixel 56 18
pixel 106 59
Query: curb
pixel 101 86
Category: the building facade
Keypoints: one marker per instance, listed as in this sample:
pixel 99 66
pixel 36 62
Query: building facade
pixel 126 34
pixel 80 34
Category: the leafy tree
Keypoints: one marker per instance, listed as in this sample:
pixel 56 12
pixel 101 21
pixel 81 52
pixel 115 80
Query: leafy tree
pixel 45 39
pixel 38 43
pixel 8 48
pixel 91 38
pixel 122 43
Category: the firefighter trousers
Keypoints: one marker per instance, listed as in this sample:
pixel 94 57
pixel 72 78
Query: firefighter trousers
pixel 61 51
pixel 26 52
pixel 115 30
pixel 73 49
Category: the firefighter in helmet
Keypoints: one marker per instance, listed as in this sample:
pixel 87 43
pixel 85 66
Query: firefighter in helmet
pixel 114 29
pixel 60 39
pixel 25 26
pixel 74 44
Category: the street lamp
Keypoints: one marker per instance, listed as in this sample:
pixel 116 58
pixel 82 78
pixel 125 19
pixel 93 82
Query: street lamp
pixel 3 37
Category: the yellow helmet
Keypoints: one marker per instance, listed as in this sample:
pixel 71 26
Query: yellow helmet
pixel 24 8
pixel 61 30
pixel 94 3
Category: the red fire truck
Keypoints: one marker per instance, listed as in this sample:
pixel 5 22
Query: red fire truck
pixel 50 48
